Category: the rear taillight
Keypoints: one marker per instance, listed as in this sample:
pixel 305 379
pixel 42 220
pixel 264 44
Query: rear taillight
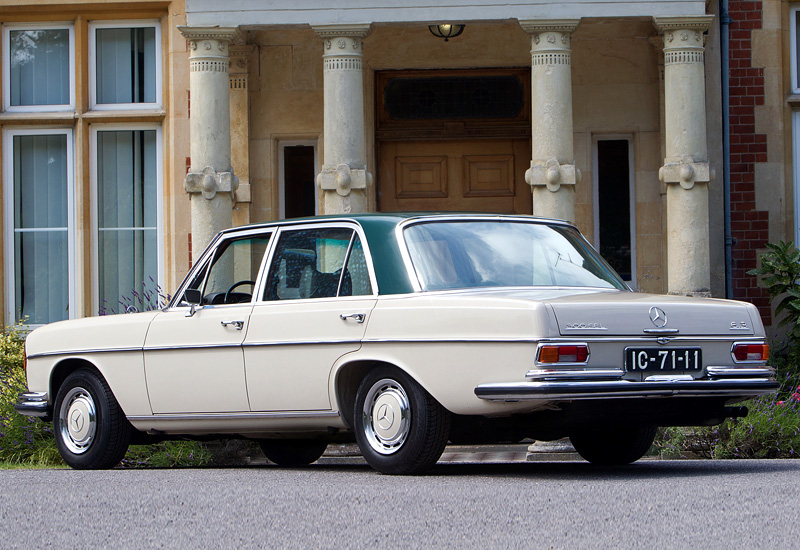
pixel 750 352
pixel 559 353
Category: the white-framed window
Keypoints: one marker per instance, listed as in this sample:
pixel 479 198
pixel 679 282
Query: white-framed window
pixel 125 65
pixel 38 67
pixel 127 213
pixel 39 212
pixel 794 25
pixel 796 174
pixel 615 203
pixel 297 172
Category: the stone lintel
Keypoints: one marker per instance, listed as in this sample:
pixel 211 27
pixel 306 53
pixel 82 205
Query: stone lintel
pixel 352 31
pixel 552 174
pixel 209 182
pixel 686 173
pixel 690 22
pixel 342 179
pixel 533 26
pixel 223 34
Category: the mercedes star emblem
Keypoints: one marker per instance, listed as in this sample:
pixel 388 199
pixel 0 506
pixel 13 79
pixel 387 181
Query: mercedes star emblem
pixel 658 317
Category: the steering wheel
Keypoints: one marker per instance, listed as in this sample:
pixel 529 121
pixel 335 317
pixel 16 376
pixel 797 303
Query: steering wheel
pixel 234 285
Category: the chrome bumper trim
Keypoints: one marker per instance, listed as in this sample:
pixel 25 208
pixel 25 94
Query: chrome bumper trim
pixel 574 374
pixel 739 372
pixel 597 389
pixel 33 403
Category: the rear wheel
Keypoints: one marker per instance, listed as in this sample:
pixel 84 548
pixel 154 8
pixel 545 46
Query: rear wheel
pixel 292 452
pixel 90 428
pixel 400 428
pixel 613 446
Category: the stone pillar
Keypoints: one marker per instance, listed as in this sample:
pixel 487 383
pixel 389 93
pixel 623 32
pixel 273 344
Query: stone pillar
pixel 210 181
pixel 239 73
pixel 686 171
pixel 553 173
pixel 344 179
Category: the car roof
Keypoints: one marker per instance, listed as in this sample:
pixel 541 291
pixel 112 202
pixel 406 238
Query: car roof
pixel 379 228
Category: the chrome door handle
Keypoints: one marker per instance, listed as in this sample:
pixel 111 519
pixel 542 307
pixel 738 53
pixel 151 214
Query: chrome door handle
pixel 357 317
pixel 238 325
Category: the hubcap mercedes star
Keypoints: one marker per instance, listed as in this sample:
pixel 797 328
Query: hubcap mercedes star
pixel 77 420
pixel 387 416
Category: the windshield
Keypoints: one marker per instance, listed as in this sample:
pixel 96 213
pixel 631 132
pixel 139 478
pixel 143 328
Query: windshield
pixel 466 254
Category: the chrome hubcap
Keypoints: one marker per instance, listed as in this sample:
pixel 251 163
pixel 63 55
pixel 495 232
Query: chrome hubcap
pixel 77 420
pixel 387 416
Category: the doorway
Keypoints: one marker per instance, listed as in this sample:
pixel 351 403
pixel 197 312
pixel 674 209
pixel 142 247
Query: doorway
pixel 297 172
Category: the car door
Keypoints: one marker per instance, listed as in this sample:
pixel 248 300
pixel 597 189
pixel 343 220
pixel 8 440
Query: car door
pixel 193 356
pixel 314 308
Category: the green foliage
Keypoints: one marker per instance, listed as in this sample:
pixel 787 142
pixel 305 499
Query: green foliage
pixel 780 271
pixel 23 440
pixel 168 454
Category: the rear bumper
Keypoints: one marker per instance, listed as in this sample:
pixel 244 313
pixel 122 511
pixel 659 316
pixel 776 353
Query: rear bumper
pixel 721 382
pixel 33 404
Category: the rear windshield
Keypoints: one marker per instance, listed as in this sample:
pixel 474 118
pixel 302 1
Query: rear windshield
pixel 466 254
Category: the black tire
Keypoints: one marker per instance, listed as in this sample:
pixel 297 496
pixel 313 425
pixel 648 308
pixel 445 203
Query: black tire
pixel 292 452
pixel 415 426
pixel 90 429
pixel 613 446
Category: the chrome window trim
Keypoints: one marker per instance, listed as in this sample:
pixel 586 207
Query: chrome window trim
pixel 327 224
pixel 208 255
pixel 409 265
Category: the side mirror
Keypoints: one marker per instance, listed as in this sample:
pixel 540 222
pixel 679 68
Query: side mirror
pixel 194 298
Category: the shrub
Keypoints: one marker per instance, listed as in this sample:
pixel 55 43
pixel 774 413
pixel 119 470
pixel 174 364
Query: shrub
pixel 22 439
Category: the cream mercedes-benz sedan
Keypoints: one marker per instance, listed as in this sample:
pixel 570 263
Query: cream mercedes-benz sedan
pixel 401 332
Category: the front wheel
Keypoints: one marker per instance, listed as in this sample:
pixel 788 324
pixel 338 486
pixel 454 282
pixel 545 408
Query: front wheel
pixel 90 428
pixel 613 446
pixel 400 428
pixel 292 452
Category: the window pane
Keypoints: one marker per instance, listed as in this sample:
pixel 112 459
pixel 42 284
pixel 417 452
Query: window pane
pixel 126 65
pixel 356 277
pixel 40 67
pixel 234 271
pixel 40 228
pixel 127 219
pixel 308 264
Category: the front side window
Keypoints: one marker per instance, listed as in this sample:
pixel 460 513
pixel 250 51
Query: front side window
pixel 128 212
pixel 38 225
pixel 318 263
pixel 229 276
pixel 38 70
pixel 450 255
pixel 125 68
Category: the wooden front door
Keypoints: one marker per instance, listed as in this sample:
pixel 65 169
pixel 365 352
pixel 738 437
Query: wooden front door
pixel 466 175
pixel 453 140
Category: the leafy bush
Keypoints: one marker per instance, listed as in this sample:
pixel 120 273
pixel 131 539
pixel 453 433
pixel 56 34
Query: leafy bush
pixel 22 439
pixel 780 271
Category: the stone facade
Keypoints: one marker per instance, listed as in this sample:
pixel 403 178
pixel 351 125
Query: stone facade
pixel 240 86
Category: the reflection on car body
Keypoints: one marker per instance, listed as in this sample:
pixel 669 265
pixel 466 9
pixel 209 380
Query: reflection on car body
pixel 401 332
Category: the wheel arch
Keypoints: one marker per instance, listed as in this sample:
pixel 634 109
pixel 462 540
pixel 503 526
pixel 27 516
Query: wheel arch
pixel 348 377
pixel 64 368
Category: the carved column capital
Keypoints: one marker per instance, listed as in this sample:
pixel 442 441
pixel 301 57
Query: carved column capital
pixel 209 182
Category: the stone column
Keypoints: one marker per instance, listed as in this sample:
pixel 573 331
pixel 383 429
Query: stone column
pixel 553 173
pixel 239 73
pixel 210 181
pixel 686 171
pixel 344 179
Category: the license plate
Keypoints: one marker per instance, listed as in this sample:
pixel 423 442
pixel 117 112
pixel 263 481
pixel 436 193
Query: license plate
pixel 663 360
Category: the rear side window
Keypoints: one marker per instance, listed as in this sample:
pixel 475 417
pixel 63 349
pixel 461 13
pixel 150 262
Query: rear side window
pixel 317 263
